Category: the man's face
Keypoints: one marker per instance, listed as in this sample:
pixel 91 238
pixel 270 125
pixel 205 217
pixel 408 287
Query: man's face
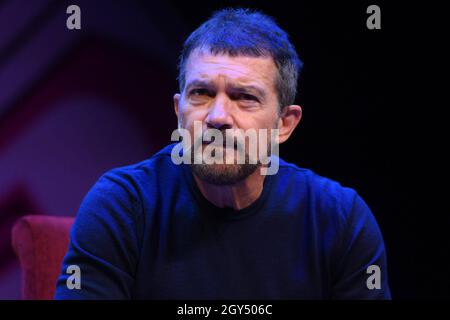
pixel 225 92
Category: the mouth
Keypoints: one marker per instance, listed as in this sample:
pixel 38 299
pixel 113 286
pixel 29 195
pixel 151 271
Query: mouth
pixel 204 144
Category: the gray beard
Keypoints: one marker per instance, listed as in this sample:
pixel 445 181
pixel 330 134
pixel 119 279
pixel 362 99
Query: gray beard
pixel 223 174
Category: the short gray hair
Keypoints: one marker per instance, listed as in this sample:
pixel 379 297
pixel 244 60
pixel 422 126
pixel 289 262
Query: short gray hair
pixel 248 33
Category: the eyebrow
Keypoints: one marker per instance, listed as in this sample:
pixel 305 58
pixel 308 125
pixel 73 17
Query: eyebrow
pixel 199 83
pixel 249 89
pixel 233 88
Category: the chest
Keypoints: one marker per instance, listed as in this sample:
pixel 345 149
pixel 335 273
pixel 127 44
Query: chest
pixel 255 258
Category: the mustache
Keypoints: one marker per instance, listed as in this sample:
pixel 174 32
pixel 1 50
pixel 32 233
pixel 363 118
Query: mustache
pixel 206 140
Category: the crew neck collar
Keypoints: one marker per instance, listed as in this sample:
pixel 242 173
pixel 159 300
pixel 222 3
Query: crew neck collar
pixel 226 213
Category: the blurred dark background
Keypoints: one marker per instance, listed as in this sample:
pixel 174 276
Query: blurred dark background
pixel 74 104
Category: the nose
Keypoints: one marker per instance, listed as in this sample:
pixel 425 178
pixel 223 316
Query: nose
pixel 219 116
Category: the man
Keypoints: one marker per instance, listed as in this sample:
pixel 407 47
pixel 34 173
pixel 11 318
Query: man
pixel 166 230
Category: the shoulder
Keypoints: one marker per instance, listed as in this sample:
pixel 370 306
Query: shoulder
pixel 331 200
pixel 135 184
pixel 157 163
pixel 135 176
pixel 336 212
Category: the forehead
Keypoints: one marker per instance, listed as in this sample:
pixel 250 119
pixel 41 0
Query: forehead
pixel 243 70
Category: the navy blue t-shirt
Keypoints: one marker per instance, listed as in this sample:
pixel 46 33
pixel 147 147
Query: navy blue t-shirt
pixel 145 231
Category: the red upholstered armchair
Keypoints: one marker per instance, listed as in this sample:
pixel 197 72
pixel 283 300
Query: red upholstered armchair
pixel 40 242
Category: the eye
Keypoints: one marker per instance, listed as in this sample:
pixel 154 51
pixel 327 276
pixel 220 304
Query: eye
pixel 199 92
pixel 246 97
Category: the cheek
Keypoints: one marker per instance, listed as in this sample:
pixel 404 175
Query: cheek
pixel 189 119
pixel 261 121
pixel 190 115
pixel 195 117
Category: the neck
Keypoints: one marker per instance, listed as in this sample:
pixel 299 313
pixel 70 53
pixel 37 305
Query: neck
pixel 236 196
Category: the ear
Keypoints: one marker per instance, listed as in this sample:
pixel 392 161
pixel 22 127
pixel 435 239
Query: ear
pixel 289 119
pixel 176 101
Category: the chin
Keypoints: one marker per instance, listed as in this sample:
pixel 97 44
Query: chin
pixel 223 174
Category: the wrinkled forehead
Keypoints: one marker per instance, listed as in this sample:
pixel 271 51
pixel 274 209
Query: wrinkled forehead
pixel 225 69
